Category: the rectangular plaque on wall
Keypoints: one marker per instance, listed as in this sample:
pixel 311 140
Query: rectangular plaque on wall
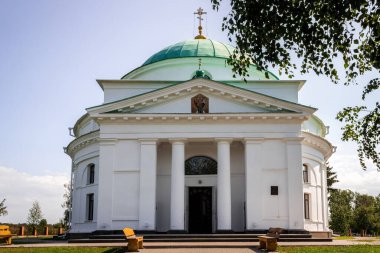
pixel 274 190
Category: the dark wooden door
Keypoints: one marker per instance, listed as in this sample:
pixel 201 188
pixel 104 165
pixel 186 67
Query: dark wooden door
pixel 200 210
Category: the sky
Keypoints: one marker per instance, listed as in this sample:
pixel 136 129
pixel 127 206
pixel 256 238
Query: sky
pixel 52 52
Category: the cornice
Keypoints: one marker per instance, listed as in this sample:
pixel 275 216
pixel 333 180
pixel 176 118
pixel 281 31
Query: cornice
pixel 319 143
pixel 81 142
pixel 80 122
pixel 208 117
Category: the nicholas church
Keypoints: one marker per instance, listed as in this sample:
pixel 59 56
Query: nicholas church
pixel 180 145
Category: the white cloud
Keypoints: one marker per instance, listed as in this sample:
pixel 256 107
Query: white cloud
pixel 21 189
pixel 351 176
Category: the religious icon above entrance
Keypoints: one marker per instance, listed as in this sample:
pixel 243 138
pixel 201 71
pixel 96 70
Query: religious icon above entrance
pixel 199 104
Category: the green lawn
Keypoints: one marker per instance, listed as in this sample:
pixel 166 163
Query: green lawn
pixel 332 249
pixel 65 250
pixel 308 249
pixel 344 238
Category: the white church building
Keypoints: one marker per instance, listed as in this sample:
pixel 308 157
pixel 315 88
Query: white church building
pixel 183 147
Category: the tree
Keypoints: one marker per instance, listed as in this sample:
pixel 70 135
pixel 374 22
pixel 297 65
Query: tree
pixel 376 225
pixel 3 208
pixel 365 216
pixel 35 215
pixel 274 33
pixel 341 210
pixel 41 225
pixel 332 178
pixel 65 221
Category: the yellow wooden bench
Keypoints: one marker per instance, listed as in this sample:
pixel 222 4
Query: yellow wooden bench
pixel 134 242
pixel 269 241
pixel 5 233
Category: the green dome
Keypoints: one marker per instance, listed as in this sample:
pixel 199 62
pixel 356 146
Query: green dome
pixel 192 48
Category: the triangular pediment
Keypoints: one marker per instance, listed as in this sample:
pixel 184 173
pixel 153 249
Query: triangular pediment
pixel 222 98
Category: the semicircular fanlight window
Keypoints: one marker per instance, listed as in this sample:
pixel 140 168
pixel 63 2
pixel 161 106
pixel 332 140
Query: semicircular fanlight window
pixel 200 165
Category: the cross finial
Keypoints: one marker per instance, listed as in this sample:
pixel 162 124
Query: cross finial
pixel 199 63
pixel 200 12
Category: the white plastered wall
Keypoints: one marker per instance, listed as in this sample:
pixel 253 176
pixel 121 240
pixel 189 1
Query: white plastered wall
pixel 316 188
pixel 83 158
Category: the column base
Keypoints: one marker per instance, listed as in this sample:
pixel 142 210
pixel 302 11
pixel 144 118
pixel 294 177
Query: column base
pixel 177 231
pixel 224 231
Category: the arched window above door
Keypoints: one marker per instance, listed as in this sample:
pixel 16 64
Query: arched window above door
pixel 200 165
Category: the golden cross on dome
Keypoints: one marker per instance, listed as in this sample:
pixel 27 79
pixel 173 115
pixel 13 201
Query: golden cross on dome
pixel 200 12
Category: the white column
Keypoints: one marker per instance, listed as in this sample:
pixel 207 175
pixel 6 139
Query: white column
pixel 253 167
pixel 177 200
pixel 224 185
pixel 295 183
pixel 103 212
pixel 148 175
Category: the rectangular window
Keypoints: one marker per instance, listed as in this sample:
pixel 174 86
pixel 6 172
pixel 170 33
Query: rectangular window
pixel 91 174
pixel 305 172
pixel 90 207
pixel 306 204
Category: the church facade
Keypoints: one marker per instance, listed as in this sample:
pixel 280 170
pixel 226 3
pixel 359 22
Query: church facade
pixel 179 146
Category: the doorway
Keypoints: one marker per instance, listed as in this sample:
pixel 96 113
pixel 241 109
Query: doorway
pixel 200 210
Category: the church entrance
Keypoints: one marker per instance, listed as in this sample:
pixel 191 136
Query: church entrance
pixel 200 210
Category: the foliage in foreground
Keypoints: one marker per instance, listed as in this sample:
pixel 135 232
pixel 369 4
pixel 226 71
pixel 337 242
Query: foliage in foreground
pixel 332 249
pixel 275 33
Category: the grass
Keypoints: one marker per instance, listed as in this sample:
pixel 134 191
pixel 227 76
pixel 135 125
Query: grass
pixel 65 250
pixel 367 239
pixel 332 249
pixel 344 238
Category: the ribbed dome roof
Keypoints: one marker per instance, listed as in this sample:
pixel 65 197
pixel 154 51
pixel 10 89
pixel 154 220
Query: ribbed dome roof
pixel 192 48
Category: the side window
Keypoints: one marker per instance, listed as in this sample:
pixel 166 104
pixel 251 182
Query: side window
pixel 305 173
pixel 90 206
pixel 91 173
pixel 306 203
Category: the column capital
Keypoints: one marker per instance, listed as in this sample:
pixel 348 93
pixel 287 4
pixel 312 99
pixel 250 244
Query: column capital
pixel 253 140
pixel 108 141
pixel 177 140
pixel 294 140
pixel 147 141
pixel 229 140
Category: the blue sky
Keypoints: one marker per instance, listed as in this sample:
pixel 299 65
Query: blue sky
pixel 53 51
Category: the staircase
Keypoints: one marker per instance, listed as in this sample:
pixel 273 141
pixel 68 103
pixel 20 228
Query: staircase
pixel 196 238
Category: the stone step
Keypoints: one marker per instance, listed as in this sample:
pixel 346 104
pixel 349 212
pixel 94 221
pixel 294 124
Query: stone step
pixel 191 238
pixel 200 236
pixel 176 241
